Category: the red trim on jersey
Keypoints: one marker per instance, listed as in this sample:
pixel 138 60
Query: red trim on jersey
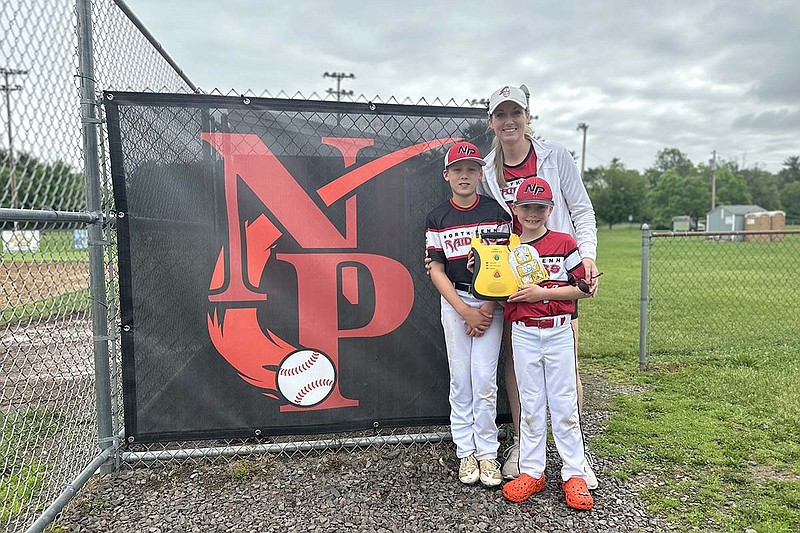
pixel 525 169
pixel 461 208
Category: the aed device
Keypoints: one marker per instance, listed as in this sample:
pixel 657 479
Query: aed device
pixel 493 278
pixel 527 266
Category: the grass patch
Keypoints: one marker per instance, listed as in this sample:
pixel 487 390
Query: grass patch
pixel 240 469
pixel 712 441
pixel 54 246
pixel 61 305
pixel 22 476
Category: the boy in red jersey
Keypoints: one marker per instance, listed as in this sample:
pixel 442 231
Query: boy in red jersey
pixel 544 353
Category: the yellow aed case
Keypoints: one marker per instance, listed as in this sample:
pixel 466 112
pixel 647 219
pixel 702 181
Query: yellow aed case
pixel 493 278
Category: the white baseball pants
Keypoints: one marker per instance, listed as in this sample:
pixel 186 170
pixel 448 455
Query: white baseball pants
pixel 473 381
pixel 544 363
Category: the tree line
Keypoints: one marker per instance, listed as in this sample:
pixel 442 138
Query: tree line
pixel 36 184
pixel 674 186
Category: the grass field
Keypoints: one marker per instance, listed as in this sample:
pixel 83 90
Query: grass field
pixel 23 476
pixel 55 245
pixel 714 439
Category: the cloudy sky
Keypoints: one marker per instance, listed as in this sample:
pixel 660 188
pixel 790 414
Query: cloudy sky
pixel 697 75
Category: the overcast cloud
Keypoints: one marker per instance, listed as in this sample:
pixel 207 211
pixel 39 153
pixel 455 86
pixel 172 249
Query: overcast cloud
pixel 696 75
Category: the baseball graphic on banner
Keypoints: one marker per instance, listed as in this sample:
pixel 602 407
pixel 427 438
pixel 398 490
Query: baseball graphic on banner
pixel 306 377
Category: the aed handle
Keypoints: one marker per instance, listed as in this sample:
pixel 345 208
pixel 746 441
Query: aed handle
pixel 495 235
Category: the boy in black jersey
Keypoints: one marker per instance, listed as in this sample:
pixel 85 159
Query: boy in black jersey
pixel 472 327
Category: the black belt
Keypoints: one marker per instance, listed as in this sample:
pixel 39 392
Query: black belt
pixel 466 287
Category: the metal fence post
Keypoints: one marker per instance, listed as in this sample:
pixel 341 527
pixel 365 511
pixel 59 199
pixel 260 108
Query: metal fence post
pixel 91 168
pixel 644 297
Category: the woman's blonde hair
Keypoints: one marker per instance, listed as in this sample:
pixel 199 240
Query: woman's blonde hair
pixel 499 158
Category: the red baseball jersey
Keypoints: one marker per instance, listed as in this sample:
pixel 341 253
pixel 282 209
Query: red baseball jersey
pixel 514 176
pixel 559 255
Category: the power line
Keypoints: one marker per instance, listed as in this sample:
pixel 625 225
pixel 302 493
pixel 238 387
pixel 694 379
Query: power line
pixel 339 76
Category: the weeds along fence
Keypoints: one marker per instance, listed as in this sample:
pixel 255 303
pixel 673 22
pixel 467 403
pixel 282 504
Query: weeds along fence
pixel 727 294
pixel 60 367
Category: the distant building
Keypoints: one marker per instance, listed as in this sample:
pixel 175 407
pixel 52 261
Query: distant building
pixel 729 217
pixel 683 223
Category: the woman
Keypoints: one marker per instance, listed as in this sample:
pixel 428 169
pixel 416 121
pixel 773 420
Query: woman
pixel 516 155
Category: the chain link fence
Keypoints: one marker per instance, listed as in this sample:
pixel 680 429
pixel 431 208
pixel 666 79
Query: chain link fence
pixel 48 409
pixel 167 138
pixel 60 362
pixel 705 294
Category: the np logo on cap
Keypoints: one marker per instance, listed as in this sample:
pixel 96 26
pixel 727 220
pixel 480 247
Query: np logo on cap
pixel 534 191
pixel 463 151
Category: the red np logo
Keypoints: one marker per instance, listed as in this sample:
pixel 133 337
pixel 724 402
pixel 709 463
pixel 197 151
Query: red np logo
pixel 536 189
pixel 304 376
pixel 466 150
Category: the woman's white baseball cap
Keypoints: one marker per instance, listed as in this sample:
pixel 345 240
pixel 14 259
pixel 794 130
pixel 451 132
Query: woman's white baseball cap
pixel 505 94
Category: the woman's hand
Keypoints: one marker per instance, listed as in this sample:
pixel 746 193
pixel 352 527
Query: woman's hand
pixel 592 274
pixel 471 261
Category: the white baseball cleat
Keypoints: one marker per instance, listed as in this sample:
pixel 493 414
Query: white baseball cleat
pixel 468 470
pixel 511 464
pixel 490 473
pixel 591 479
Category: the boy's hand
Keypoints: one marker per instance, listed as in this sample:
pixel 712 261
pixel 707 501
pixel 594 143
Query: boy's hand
pixel 471 261
pixel 472 332
pixel 529 293
pixel 428 261
pixel 477 320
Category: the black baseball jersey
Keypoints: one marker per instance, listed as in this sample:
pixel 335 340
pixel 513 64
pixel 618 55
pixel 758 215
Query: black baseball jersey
pixel 449 230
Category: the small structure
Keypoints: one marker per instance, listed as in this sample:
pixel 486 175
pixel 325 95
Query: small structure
pixel 777 222
pixel 758 221
pixel 730 217
pixel 683 223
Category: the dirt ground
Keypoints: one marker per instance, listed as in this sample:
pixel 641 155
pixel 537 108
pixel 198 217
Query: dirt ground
pixel 23 283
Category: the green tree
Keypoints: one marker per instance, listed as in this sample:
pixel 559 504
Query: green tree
pixel 618 193
pixel 669 159
pixel 678 195
pixel 790 173
pixel 731 188
pixel 40 185
pixel 763 187
pixel 791 202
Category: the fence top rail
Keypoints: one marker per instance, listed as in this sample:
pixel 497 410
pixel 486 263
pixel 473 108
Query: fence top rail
pixel 42 215
pixel 722 233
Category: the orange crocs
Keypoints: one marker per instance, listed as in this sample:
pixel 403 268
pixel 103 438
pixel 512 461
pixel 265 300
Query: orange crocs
pixel 577 494
pixel 523 487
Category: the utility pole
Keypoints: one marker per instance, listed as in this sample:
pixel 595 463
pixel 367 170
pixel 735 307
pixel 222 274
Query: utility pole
pixel 713 179
pixel 7 88
pixel 583 126
pixel 483 102
pixel 339 77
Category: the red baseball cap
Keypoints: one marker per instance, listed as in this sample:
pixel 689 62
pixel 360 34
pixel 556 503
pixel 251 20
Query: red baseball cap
pixel 534 191
pixel 463 151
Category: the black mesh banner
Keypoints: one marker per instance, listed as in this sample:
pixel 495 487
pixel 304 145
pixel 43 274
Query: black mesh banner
pixel 271 263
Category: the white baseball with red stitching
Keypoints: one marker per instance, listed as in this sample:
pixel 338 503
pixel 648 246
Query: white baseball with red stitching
pixel 306 377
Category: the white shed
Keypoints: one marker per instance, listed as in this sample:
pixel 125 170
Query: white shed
pixel 729 217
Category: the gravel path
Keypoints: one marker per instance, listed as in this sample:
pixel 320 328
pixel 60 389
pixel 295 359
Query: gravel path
pixel 381 490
